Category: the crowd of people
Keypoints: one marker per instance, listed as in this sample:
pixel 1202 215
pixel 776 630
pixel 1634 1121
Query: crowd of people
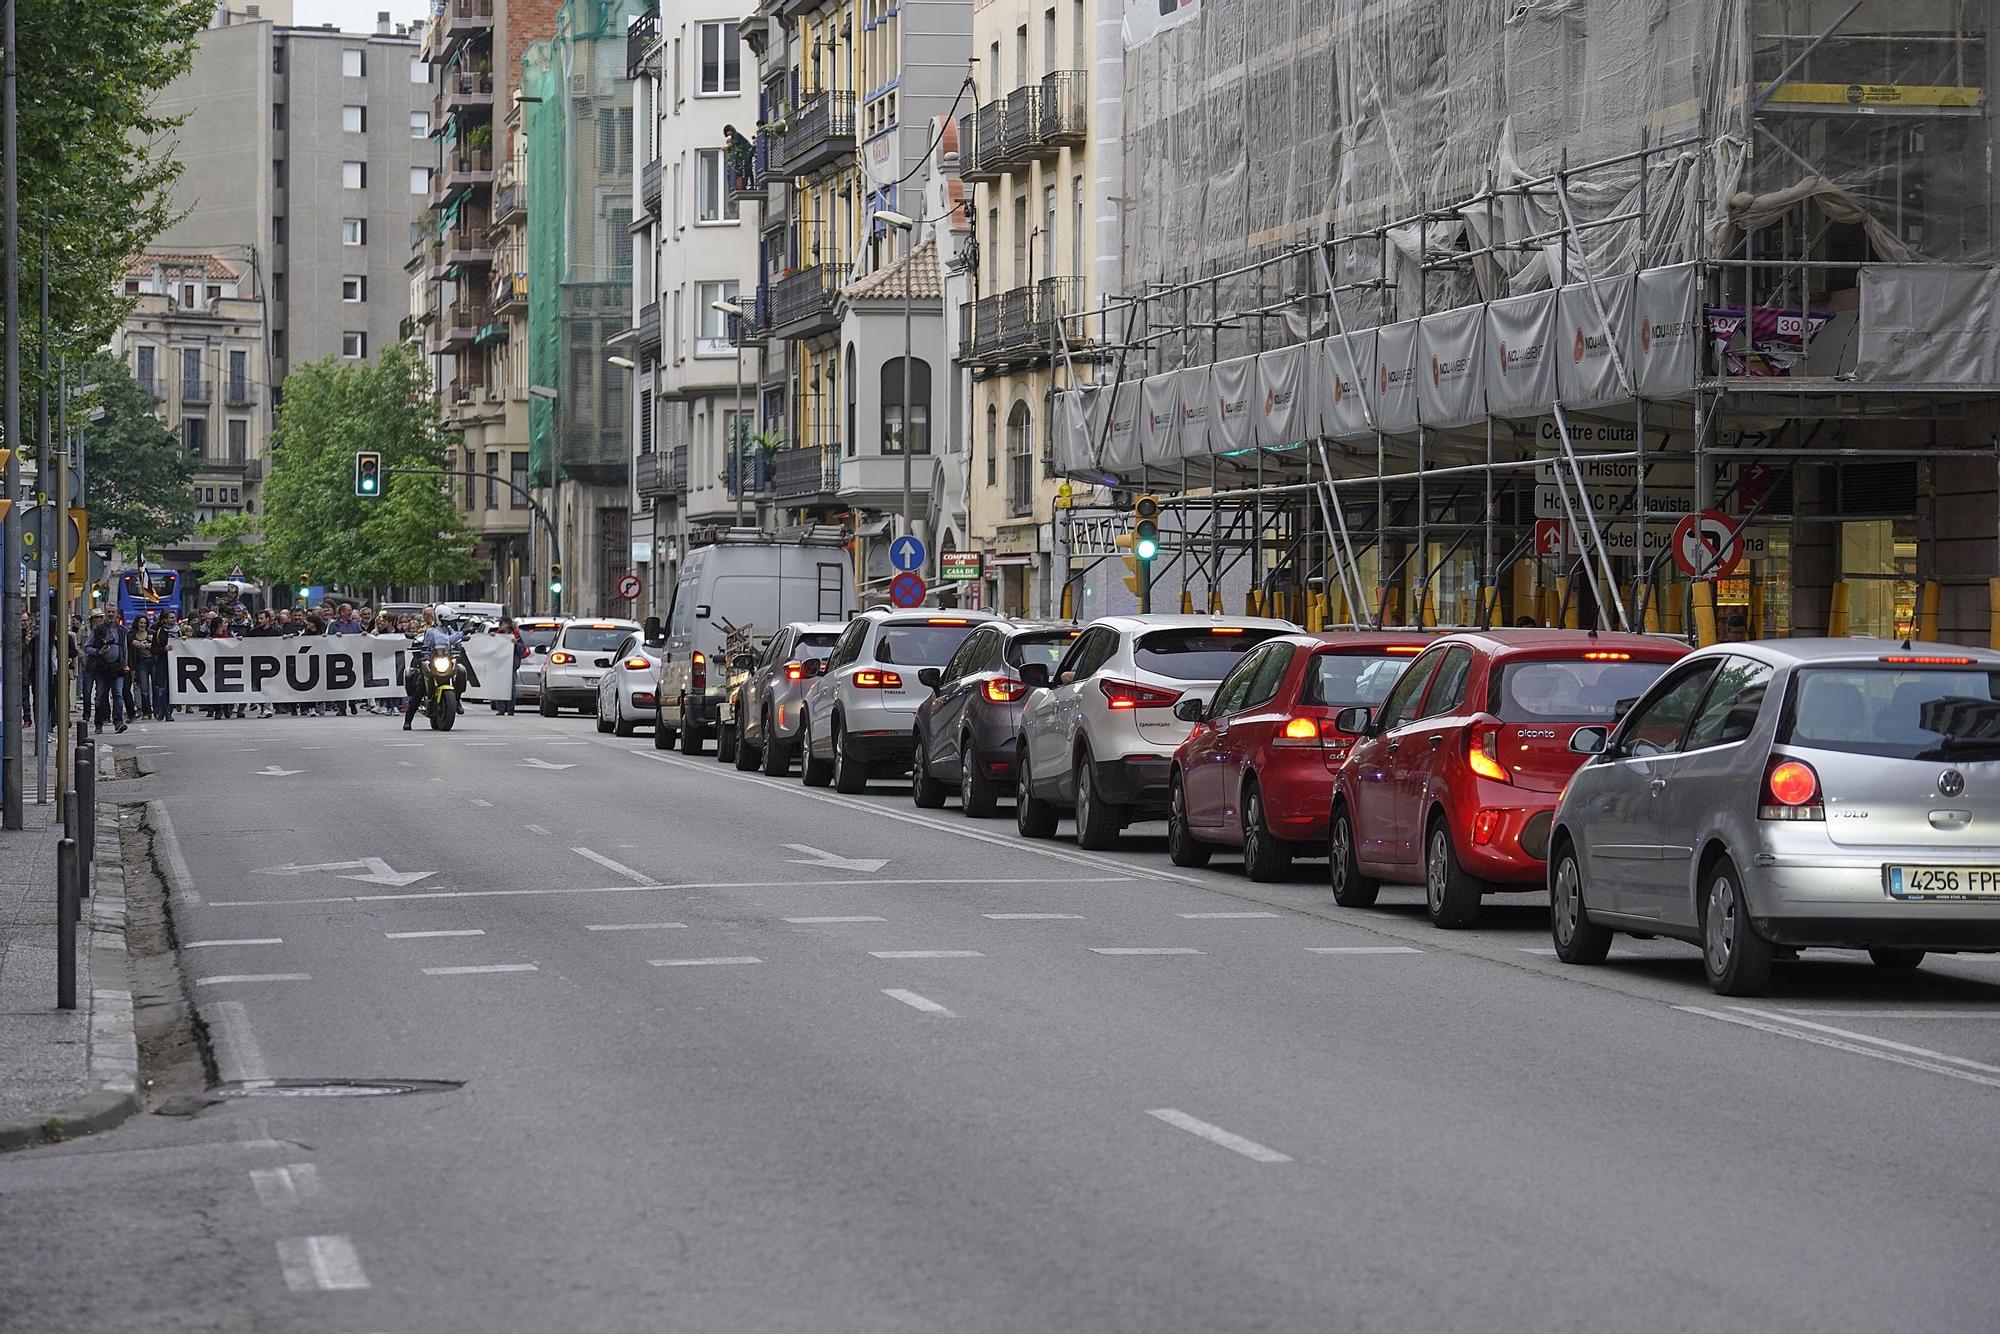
pixel 120 666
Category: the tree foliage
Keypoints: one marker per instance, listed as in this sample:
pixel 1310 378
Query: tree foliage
pixel 412 535
pixel 239 545
pixel 137 478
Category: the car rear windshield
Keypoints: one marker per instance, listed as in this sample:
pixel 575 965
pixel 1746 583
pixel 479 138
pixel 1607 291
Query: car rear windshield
pixel 539 636
pixel 920 645
pixel 1569 690
pixel 1897 712
pixel 815 640
pixel 1195 654
pixel 1341 680
pixel 1047 649
pixel 592 639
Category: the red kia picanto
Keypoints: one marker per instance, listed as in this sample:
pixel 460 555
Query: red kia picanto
pixel 1256 771
pixel 1455 777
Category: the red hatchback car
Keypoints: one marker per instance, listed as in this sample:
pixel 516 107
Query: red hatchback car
pixel 1256 771
pixel 1456 776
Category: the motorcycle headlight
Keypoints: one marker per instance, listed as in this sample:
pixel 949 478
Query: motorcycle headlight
pixel 440 665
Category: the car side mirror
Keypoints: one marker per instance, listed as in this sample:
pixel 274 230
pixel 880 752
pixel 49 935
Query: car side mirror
pixel 1590 740
pixel 1191 710
pixel 930 676
pixel 1035 675
pixel 655 632
pixel 1355 720
pixel 742 662
pixel 813 667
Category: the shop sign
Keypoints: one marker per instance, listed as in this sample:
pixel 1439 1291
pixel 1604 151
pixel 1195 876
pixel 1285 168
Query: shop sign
pixel 958 567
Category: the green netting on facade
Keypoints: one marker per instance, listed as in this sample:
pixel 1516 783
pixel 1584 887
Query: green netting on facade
pixel 542 119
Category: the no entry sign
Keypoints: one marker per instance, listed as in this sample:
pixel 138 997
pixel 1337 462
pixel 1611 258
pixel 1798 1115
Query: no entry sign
pixel 1705 547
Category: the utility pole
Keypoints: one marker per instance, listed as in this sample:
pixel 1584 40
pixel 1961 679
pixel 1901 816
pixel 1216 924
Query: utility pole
pixel 13 813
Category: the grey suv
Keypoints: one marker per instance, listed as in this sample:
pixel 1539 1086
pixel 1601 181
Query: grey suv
pixel 768 701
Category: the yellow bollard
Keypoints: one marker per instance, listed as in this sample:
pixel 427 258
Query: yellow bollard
pixel 1253 602
pixel 1836 611
pixel 1651 624
pixel 1704 613
pixel 1214 602
pixel 1069 602
pixel 1315 613
pixel 1187 602
pixel 1930 594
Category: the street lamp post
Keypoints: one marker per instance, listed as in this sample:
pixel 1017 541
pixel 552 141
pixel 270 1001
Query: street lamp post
pixel 908 227
pixel 735 311
pixel 13 812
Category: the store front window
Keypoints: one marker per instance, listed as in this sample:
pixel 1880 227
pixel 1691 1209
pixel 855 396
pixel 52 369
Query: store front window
pixel 1878 559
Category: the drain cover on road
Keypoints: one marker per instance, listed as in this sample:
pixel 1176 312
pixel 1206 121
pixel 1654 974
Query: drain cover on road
pixel 304 1088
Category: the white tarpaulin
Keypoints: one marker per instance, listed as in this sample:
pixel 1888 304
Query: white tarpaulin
pixel 1930 324
pixel 1394 388
pixel 1587 371
pixel 1197 400
pixel 1114 415
pixel 1347 364
pixel 1669 331
pixel 1072 431
pixel 1159 419
pixel 1451 388
pixel 1521 360
pixel 1232 384
pixel 1284 384
pixel 1146 19
pixel 324 669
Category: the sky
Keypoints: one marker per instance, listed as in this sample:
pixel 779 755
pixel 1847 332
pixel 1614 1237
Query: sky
pixel 356 15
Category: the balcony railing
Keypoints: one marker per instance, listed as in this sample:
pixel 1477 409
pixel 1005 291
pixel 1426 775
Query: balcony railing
pixel 652 474
pixel 819 133
pixel 981 152
pixel 1017 327
pixel 1065 117
pixel 649 327
pixel 756 466
pixel 806 471
pixel 804 303
pixel 650 185
pixel 640 35
pixel 677 469
pixel 509 289
pixel 466 166
pixel 197 391
pixel 508 200
pixel 752 328
pixel 1031 122
pixel 238 393
pixel 468 243
pixel 1019 125
pixel 462 87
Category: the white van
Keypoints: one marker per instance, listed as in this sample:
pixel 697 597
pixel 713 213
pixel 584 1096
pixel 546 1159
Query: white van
pixel 747 583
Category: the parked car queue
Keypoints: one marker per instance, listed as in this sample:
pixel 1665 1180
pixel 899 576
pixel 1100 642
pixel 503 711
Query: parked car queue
pixel 1751 799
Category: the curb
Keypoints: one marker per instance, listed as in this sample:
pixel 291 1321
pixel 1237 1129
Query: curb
pixel 114 1047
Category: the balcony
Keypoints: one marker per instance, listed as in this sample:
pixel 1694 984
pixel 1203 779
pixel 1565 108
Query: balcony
pixel 1033 122
pixel 818 134
pixel 649 328
pixel 653 474
pixel 746 178
pixel 197 391
pixel 456 21
pixel 509 201
pixel 640 36
pixel 982 148
pixel 230 461
pixel 1064 118
pixel 238 394
pixel 466 168
pixel 753 328
pixel 463 89
pixel 464 393
pixel 461 324
pixel 468 243
pixel 1019 124
pixel 1017 329
pixel 510 291
pixel 803 304
pixel 649 186
pixel 804 473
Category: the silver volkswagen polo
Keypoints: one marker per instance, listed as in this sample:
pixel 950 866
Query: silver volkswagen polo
pixel 1767 796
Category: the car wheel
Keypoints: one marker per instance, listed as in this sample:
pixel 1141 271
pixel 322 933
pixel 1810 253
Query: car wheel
pixel 849 774
pixel 1736 958
pixel 977 794
pixel 1183 848
pixel 1901 960
pixel 1451 895
pixel 1351 889
pixel 776 762
pixel 1098 822
pixel 603 723
pixel 925 790
pixel 624 727
pixel 663 736
pixel 725 744
pixel 813 771
pixel 690 739
pixel 1033 817
pixel 1578 939
pixel 546 707
pixel 747 755
pixel 1266 857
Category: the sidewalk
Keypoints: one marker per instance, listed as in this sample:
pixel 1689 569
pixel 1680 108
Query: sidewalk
pixel 63 1072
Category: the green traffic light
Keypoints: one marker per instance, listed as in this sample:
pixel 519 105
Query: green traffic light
pixel 1146 544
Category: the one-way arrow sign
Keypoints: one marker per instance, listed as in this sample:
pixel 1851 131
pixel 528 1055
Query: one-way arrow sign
pixel 821 857
pixel 544 764
pixel 378 872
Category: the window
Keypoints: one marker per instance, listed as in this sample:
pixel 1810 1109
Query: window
pixel 1270 675
pixel 420 124
pixel 1401 706
pixel 353 289
pixel 493 481
pixel 194 436
pixel 1020 460
pixel 1339 680
pixel 354 231
pixel 711 197
pixel 238 388
pixel 354 175
pixel 1734 701
pixel 992 445
pixel 1448 691
pixel 191 385
pixel 1575 692
pixel 420 70
pixel 1655 728
pixel 236 439
pixel 420 180
pixel 147 368
pixel 920 406
pixel 354 120
pixel 351 63
pixel 518 469
pixel 711 327
pixel 354 346
pixel 1235 687
pixel 1075 230
pixel 721 60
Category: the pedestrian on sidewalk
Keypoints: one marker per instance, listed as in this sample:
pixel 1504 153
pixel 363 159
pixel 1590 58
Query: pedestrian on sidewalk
pixel 104 665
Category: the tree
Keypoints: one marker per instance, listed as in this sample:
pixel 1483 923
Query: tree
pixel 137 478
pixel 238 546
pixel 411 535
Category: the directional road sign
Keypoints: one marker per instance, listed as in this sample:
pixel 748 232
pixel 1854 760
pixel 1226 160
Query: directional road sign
pixel 907 590
pixel 906 554
pixel 629 587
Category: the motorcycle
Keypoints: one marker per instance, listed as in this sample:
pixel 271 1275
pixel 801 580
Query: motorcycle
pixel 438 673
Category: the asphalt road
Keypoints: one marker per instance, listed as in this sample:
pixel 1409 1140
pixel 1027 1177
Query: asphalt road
pixel 737 1056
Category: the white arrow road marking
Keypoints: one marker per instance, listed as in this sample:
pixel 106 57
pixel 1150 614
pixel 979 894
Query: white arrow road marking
pixel 916 1002
pixel 820 857
pixel 377 871
pixel 273 771
pixel 320 1264
pixel 1217 1135
pixel 544 764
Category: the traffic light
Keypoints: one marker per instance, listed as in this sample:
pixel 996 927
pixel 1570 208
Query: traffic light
pixel 367 473
pixel 1134 578
pixel 555 578
pixel 1146 527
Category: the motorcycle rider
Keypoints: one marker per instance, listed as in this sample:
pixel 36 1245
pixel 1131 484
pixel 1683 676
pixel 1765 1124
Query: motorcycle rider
pixel 442 638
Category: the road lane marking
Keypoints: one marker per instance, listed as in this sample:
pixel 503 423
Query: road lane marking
pixel 699 963
pixel 398 745
pixel 1215 1134
pixel 916 1002
pixel 1143 950
pixel 1543 950
pixel 406 764
pixel 1032 916
pixel 620 867
pixel 926 954
pixel 237 1055
pixel 481 801
pixel 536 829
pixel 205 944
pixel 1785 1030
pixel 1362 949
pixel 816 921
pixel 482 968
pixel 429 935
pixel 1904 1047
pixel 639 926
pixel 1902 1014
pixel 648 889
pixel 320 1264
pixel 253 977
pixel 278 1187
pixel 1223 916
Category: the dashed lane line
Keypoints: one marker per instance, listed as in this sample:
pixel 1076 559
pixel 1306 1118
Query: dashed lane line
pixel 639 877
pixel 208 944
pixel 1032 916
pixel 702 963
pixel 639 926
pixel 926 954
pixel 828 921
pixel 1135 949
pixel 481 968
pixel 652 889
pixel 536 829
pixel 1786 1029
pixel 481 801
pixel 279 1187
pixel 252 977
pixel 1925 1052
pixel 1224 916
pixel 430 935
pixel 1215 1134
pixel 916 1002
pixel 1362 949
pixel 320 1264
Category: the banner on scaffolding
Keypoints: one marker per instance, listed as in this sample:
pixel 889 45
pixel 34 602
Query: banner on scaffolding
pixel 1285 382
pixel 1521 370
pixel 1394 389
pixel 1159 419
pixel 1114 416
pixel 1451 387
pixel 1197 411
pixel 1930 323
pixel 1594 338
pixel 1346 361
pixel 1233 383
pixel 1669 331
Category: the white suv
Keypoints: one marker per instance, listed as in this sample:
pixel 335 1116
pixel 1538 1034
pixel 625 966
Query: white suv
pixel 1100 738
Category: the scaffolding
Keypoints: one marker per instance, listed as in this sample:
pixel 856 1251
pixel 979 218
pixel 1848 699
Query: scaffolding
pixel 1576 276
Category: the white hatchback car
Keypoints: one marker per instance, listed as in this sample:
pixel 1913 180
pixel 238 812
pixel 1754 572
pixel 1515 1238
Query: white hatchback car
pixel 581 656
pixel 1100 735
pixel 627 693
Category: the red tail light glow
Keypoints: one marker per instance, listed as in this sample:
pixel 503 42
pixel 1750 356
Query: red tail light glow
pixel 947 620
pixel 1484 826
pixel 698 670
pixel 1928 660
pixel 1005 689
pixel 560 658
pixel 1482 752
pixel 1132 695
pixel 1308 732
pixel 636 664
pixel 795 671
pixel 1404 648
pixel 1791 792
pixel 870 678
pixel 1606 655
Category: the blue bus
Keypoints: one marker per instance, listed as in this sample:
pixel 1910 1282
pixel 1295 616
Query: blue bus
pixel 148 591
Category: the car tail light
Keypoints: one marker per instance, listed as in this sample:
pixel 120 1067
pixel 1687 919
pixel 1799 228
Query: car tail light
pixel 1606 655
pixel 1482 752
pixel 698 671
pixel 636 664
pixel 1484 826
pixel 1404 648
pixel 795 671
pixel 868 678
pixel 1005 689
pixel 1928 660
pixel 1791 792
pixel 1132 695
pixel 947 620
pixel 1225 629
pixel 1308 732
pixel 560 658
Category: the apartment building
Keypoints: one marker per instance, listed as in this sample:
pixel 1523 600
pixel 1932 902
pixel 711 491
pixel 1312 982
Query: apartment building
pixel 195 340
